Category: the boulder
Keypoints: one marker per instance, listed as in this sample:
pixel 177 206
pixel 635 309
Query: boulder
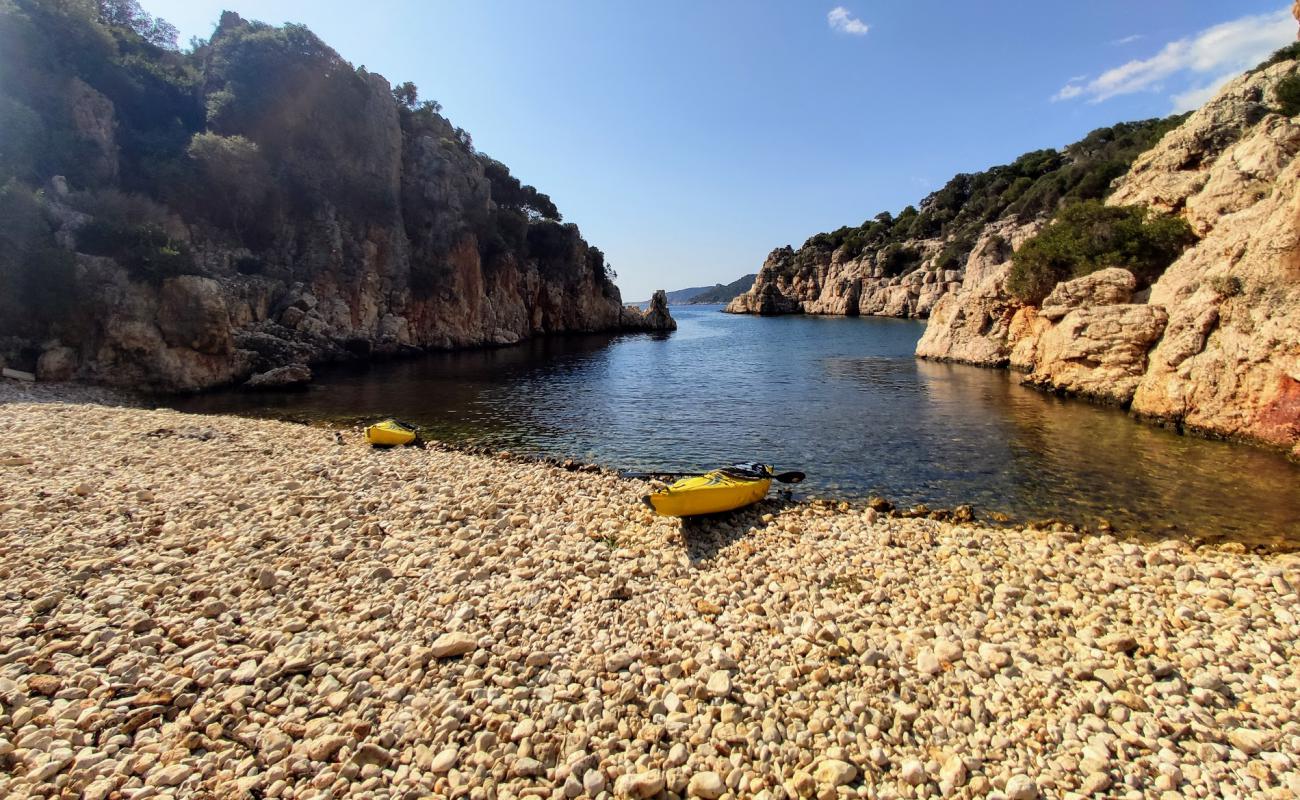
pixel 57 363
pixel 290 376
pixel 192 313
pixel 1107 287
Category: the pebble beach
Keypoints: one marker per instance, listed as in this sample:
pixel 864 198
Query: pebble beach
pixel 210 606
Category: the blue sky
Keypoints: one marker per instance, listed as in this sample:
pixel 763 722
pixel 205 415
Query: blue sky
pixel 688 139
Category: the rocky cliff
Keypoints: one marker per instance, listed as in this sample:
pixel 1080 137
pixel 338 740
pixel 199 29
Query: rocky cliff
pixel 901 266
pixel 1214 344
pixel 175 221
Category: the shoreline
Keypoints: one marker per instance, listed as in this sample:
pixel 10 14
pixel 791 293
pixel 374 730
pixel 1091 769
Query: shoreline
pixel 75 393
pixel 215 604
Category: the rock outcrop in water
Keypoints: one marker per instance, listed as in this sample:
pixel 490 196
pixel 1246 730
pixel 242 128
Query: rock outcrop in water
pixel 903 266
pixel 1215 344
pixel 178 221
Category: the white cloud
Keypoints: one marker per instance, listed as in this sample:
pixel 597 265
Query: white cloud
pixel 840 19
pixel 1068 91
pixel 1198 96
pixel 1127 39
pixel 1224 49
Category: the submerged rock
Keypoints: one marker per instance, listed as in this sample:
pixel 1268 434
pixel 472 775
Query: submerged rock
pixel 286 377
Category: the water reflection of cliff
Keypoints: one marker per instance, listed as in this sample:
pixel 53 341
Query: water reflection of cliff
pixel 1078 461
pixel 842 399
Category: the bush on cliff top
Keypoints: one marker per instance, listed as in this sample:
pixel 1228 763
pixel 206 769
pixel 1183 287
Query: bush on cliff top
pixel 37 277
pixel 1287 93
pixel 146 251
pixel 1033 185
pixel 1089 236
pixel 1289 53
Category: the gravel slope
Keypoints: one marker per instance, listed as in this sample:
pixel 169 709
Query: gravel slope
pixel 214 606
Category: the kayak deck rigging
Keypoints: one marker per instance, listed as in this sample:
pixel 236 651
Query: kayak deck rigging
pixel 721 490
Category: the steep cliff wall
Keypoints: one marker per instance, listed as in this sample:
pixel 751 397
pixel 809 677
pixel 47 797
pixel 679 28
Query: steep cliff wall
pixel 1215 344
pixel 902 266
pixel 176 221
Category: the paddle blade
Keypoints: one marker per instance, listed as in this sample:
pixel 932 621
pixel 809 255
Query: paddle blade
pixel 790 477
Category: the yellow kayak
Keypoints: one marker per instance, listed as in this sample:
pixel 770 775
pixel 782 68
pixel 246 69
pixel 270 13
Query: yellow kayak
pixel 390 432
pixel 721 490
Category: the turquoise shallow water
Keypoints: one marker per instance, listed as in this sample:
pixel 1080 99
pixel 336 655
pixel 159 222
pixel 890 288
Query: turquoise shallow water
pixel 842 399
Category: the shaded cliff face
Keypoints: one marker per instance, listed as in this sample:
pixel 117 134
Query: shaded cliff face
pixel 1215 344
pixel 256 203
pixel 902 266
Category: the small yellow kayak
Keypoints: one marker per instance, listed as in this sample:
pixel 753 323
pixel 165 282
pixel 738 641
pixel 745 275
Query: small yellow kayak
pixel 390 433
pixel 723 489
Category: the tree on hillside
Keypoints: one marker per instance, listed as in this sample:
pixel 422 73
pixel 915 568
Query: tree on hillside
pixel 128 14
pixel 407 94
pixel 508 192
pixel 234 166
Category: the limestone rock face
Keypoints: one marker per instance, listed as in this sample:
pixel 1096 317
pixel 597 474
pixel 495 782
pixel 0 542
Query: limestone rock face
pixel 972 326
pixel 192 313
pixel 385 239
pixel 93 116
pixel 1216 345
pixel 978 323
pixel 828 283
pixel 1098 351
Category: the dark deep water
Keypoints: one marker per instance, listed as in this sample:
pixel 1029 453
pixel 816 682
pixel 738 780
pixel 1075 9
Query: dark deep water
pixel 842 399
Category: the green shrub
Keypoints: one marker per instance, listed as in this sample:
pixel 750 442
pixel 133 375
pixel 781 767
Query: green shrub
pixel 549 242
pixel 37 284
pixel 1287 93
pixel 898 260
pixel 509 193
pixel 124 207
pixel 1088 236
pixel 1033 186
pixel 955 253
pixel 1289 53
pixel 146 251
pixel 1227 285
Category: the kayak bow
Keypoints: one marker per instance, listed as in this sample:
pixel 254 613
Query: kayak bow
pixel 390 433
pixel 723 489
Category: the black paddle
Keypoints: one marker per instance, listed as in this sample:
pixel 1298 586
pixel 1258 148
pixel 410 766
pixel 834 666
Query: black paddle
pixel 782 477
